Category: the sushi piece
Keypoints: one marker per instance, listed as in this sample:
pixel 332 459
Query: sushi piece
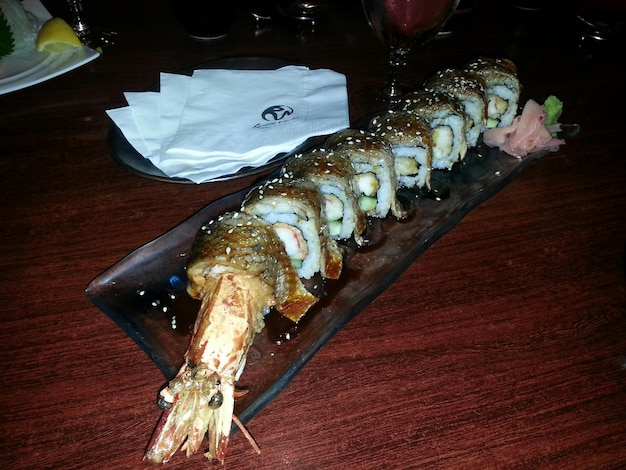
pixel 333 175
pixel 502 88
pixel 295 209
pixel 375 176
pixel 411 143
pixel 447 120
pixel 469 90
pixel 240 243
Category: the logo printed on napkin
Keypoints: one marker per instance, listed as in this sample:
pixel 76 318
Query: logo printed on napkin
pixel 276 113
pixel 218 121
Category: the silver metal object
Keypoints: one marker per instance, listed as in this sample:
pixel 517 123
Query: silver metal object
pixel 89 35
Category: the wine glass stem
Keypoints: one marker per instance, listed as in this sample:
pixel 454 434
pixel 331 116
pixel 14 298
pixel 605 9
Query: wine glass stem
pixel 397 64
pixel 79 23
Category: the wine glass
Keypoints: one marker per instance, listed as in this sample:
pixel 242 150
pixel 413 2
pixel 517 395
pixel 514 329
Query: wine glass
pixel 90 35
pixel 402 25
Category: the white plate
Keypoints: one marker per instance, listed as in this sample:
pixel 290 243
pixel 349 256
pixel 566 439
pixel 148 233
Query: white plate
pixel 22 70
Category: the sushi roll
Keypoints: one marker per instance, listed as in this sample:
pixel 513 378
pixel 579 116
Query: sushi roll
pixel 240 244
pixel 502 88
pixel 411 143
pixel 334 177
pixel 295 210
pixel 375 176
pixel 469 90
pixel 447 121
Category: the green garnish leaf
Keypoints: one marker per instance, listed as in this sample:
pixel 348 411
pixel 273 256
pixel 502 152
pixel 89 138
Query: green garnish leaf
pixel 7 43
pixel 553 108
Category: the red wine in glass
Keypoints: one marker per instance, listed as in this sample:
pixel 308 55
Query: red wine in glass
pixel 402 25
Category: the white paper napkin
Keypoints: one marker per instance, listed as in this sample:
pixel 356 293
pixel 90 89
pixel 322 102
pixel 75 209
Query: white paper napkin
pixel 145 109
pixel 218 121
pixel 174 94
pixel 123 118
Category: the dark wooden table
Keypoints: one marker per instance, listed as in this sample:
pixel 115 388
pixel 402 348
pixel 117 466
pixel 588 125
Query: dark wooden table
pixel 502 346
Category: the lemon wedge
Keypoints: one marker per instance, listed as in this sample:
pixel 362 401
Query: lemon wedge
pixel 56 36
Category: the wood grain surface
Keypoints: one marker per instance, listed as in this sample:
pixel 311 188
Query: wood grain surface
pixel 503 346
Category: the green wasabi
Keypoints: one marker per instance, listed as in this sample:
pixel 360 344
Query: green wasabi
pixel 553 108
